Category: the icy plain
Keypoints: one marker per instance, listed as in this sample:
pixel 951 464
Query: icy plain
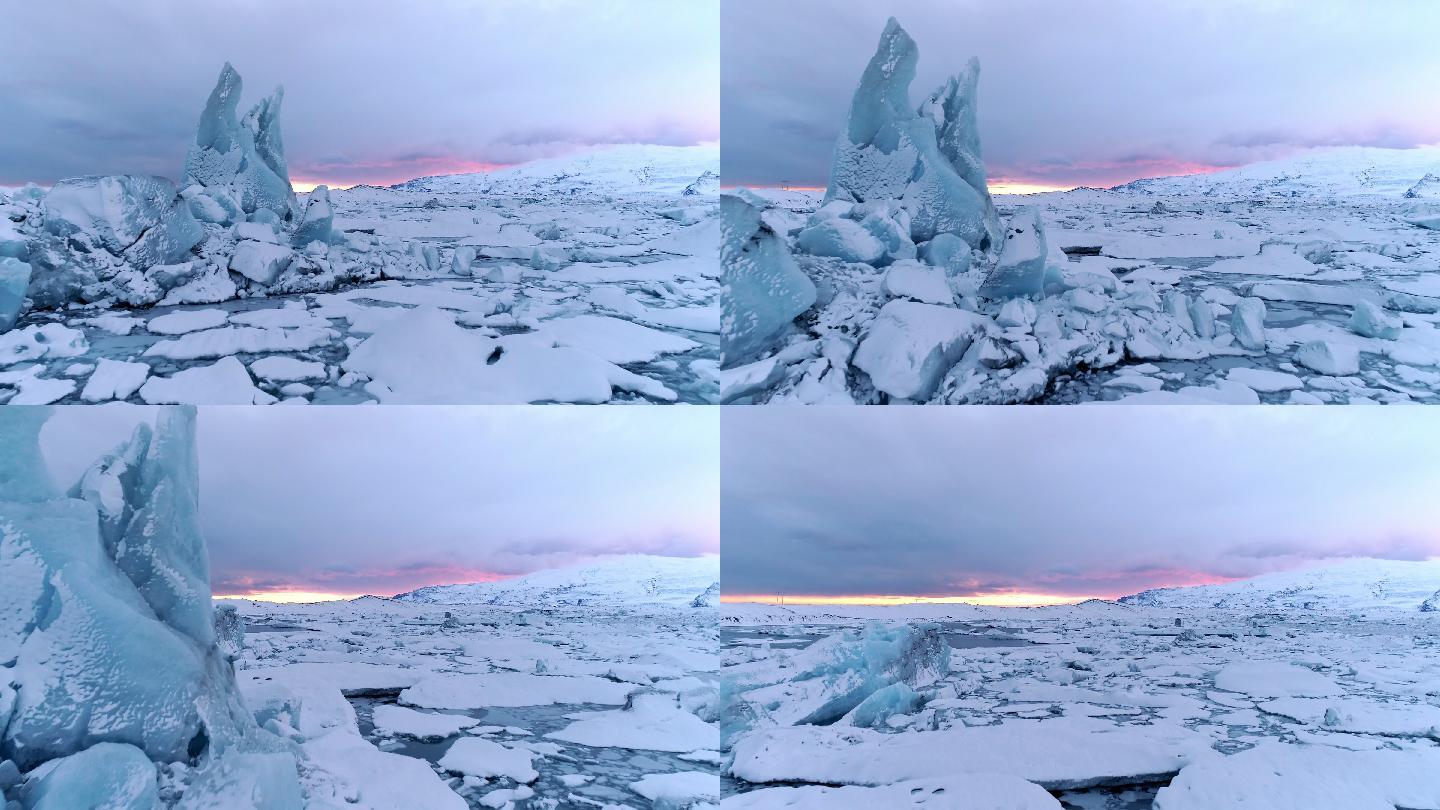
pixel 1315 689
pixel 1307 280
pixel 583 279
pixel 594 686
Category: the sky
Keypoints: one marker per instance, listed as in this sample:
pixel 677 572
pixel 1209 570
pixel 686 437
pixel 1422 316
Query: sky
pixel 376 91
pixel 334 501
pixel 1089 92
pixel 1008 505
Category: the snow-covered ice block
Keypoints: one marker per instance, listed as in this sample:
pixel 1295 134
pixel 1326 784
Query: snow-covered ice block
pixel 114 379
pixel 614 339
pixel 443 691
pixel 843 239
pixel 1274 679
pixel 921 282
pixel 231 340
pixel 1020 270
pixel 1370 320
pixel 909 346
pixel 764 289
pixel 957 792
pixel 358 775
pixel 1247 323
pixel 474 756
pixel 225 382
pixel 1264 380
pixel 1329 357
pixel 1279 776
pixel 182 321
pixel 648 722
pixel 683 789
pixel 49 340
pixel 14 282
pixel 318 220
pixel 427 726
pixel 139 218
pixel 1056 754
pixel 261 262
pixel 287 369
pixel 108 775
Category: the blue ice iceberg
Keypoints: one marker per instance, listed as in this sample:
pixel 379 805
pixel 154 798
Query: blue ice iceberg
pixel 764 289
pixel 929 161
pixel 244 160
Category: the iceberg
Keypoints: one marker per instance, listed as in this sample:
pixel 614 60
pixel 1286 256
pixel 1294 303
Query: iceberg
pixel 1020 271
pixel 929 161
pixel 106 626
pixel 317 223
pixel 244 160
pixel 14 281
pixel 910 346
pixel 764 289
pixel 141 219
pixel 1247 323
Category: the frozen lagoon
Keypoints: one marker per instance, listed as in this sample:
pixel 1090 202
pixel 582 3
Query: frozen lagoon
pixel 1310 691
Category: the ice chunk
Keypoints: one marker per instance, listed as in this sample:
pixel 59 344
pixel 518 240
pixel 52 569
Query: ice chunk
pixel 1329 357
pixel 1264 380
pixel 843 239
pixel 317 223
pixel 107 775
pixel 1274 679
pixel 14 282
pixel 1057 754
pixel 1020 271
pixel 832 677
pixel 1278 776
pixel 921 282
pixel 366 778
pixel 425 726
pixel 909 346
pixel 260 262
pixel 474 756
pixel 764 289
pixel 948 251
pixel 229 631
pixel 114 379
pixel 1370 320
pixel 287 369
pixel 650 721
pixel 225 382
pixel 50 340
pixel 1247 323
pixel 953 108
pixel 889 152
pixel 897 698
pixel 262 780
pixel 1202 317
pixel 244 161
pixel 950 792
pixel 182 321
pixel 139 218
pixel 683 789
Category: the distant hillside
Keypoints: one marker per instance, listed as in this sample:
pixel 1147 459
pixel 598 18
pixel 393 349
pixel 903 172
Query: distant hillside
pixel 625 170
pixel 1336 172
pixel 629 581
pixel 1359 585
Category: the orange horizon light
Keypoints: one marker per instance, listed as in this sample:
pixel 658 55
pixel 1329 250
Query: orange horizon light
pixel 1015 599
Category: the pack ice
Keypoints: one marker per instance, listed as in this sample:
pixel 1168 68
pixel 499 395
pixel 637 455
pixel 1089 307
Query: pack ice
pixel 588 686
pixel 1314 688
pixel 1305 280
pixel 585 279
pixel 115 692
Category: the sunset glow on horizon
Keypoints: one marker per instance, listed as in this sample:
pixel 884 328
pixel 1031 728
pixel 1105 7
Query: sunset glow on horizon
pixel 1017 599
pixel 340 178
pixel 291 597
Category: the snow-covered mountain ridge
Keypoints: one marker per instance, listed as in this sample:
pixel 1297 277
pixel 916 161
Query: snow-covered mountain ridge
pixel 1352 585
pixel 626 169
pixel 1338 171
pixel 633 580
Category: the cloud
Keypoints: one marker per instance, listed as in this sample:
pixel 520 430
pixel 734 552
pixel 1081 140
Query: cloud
pixel 1071 501
pixel 118 87
pixel 1189 83
pixel 389 499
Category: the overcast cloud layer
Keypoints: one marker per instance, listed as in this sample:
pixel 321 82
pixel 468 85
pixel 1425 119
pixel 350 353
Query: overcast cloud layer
pixel 1093 92
pixel 1067 501
pixel 383 500
pixel 376 91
